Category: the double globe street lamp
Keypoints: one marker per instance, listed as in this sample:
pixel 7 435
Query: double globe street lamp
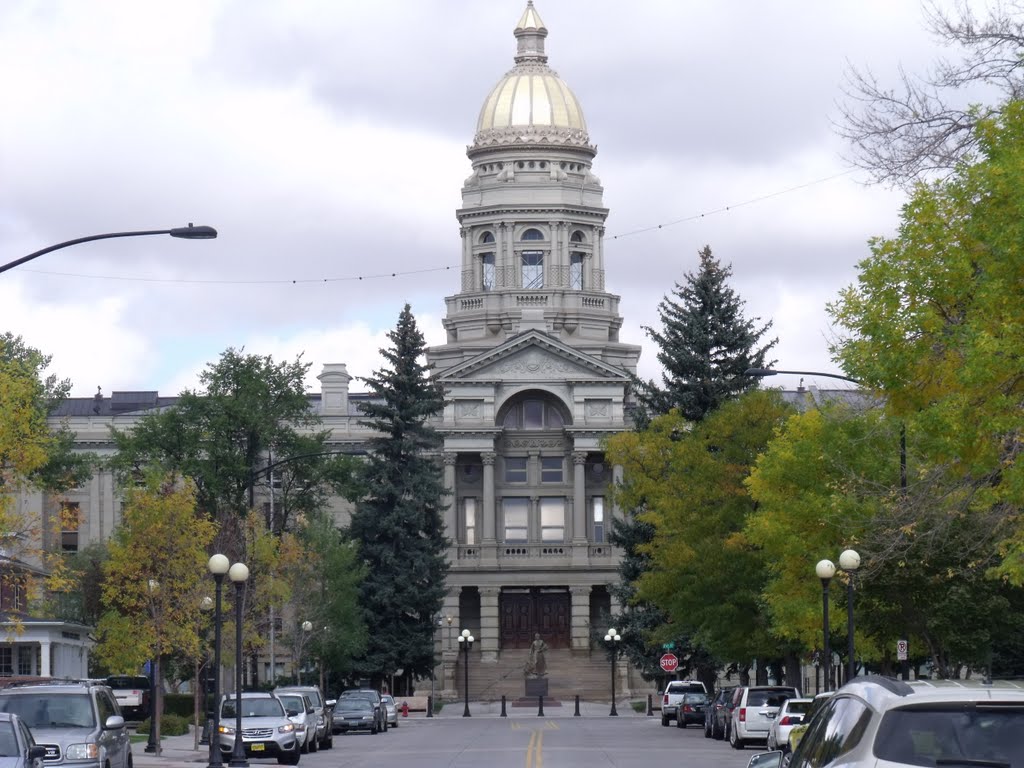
pixel 612 640
pixel 849 562
pixel 465 643
pixel 219 566
pixel 239 574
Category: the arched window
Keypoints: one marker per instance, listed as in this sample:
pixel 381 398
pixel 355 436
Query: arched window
pixel 533 414
pixel 487 237
pixel 532 234
pixel 578 237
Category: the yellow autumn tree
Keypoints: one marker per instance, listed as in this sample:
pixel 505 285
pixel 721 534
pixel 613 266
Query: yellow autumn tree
pixel 155 576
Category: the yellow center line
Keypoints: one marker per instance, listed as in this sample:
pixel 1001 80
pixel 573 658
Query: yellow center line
pixel 529 749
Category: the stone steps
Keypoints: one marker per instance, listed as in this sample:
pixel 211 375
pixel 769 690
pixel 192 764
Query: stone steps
pixel 569 673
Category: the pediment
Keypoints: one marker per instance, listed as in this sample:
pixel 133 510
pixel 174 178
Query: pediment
pixel 533 356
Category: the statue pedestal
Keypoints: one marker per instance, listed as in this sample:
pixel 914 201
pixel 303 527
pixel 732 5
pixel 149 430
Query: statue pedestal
pixel 536 686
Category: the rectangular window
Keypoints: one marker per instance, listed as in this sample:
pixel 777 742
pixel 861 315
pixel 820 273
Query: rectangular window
pixel 18 596
pixel 516 513
pixel 6 661
pixel 515 469
pixel 533 269
pixel 469 515
pixel 70 521
pixel 576 271
pixel 533 414
pixel 552 519
pixel 24 660
pixel 597 504
pixel 551 469
pixel 487 272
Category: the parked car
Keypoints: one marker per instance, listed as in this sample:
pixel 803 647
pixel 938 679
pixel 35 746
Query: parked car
pixel 715 714
pixel 876 720
pixel 390 710
pixel 301 712
pixel 266 729
pixel 374 698
pixel 673 694
pixel 355 713
pixel 132 693
pixel 324 734
pixel 756 706
pixel 790 714
pixel 17 747
pixel 797 731
pixel 691 709
pixel 77 723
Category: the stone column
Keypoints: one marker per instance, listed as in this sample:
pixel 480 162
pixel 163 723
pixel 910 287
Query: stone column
pixel 580 548
pixel 580 628
pixel 488 548
pixel 449 653
pixel 45 666
pixel 617 480
pixel 451 511
pixel 489 624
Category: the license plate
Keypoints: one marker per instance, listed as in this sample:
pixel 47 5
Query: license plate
pixel 257 747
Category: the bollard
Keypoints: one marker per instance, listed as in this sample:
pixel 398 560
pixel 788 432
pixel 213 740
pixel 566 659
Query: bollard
pixel 204 739
pixel 503 714
pixel 540 706
pixel 650 705
pixel 430 706
pixel 577 712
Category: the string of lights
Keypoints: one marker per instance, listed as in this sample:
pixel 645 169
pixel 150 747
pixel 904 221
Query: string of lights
pixel 405 273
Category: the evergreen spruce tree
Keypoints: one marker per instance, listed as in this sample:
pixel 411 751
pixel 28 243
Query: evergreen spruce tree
pixel 398 525
pixel 704 346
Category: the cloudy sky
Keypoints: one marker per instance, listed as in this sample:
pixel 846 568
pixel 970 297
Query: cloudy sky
pixel 325 140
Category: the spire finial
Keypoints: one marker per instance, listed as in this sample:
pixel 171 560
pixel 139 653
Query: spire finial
pixel 530 32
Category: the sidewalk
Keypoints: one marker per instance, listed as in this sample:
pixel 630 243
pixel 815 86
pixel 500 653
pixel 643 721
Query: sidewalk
pixel 180 752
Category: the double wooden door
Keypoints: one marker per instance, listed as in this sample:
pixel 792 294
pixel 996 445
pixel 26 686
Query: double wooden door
pixel 525 612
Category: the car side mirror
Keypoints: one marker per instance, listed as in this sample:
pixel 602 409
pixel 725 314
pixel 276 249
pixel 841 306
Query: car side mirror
pixel 310 711
pixel 291 712
pixel 114 722
pixel 766 760
pixel 36 752
pixel 331 702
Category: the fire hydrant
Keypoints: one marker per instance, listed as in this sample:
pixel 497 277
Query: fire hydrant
pixel 405 709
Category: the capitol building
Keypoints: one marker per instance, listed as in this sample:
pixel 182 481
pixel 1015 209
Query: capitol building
pixel 536 379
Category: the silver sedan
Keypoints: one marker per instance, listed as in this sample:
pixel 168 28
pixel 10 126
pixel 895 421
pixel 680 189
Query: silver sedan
pixel 390 709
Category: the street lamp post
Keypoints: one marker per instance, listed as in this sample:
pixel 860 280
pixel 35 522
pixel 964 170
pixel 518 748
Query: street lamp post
pixel 849 561
pixel 307 627
pixel 238 573
pixel 203 673
pixel 152 742
pixel 188 233
pixel 465 643
pixel 826 569
pixel 218 566
pixel 612 639
pixel 449 618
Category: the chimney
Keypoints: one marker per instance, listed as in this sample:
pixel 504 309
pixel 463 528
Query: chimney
pixel 334 381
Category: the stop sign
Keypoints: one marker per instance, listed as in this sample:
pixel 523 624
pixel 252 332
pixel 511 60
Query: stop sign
pixel 669 662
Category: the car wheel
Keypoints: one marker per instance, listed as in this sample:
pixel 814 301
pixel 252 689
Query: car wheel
pixel 664 721
pixel 314 745
pixel 328 743
pixel 735 741
pixel 680 722
pixel 385 726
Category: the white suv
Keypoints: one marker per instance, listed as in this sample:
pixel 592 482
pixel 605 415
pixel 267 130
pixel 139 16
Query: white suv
pixel 756 708
pixel 876 720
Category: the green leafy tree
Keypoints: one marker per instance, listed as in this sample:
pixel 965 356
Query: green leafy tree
pixel 934 323
pixel 251 409
pixel 702 573
pixel 704 346
pixel 154 578
pixel 398 525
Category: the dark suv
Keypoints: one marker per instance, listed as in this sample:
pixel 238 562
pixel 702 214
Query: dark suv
pixel 379 715
pixel 78 723
pixel 717 713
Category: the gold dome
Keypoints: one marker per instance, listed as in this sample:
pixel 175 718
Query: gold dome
pixel 531 102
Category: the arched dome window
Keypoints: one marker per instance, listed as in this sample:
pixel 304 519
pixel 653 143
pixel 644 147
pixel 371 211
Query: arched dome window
pixel 487 237
pixel 578 237
pixel 532 234
pixel 534 411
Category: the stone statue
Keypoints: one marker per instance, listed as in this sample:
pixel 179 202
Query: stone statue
pixel 537 665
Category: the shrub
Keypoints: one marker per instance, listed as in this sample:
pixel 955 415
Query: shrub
pixel 170 725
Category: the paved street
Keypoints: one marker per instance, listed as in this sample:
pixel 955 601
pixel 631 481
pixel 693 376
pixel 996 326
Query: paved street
pixel 517 742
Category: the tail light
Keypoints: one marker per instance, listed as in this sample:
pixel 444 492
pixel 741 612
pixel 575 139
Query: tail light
pixel 665 700
pixel 786 721
pixel 743 714
pixel 687 708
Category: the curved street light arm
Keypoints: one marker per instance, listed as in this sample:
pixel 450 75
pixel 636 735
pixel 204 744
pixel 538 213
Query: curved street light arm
pixel 762 372
pixel 190 232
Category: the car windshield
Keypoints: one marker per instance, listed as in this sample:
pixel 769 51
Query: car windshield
pixel 292 702
pixel 354 704
pixel 267 707
pixel 51 711
pixel 128 681
pixel 952 735
pixel 8 740
pixel 798 707
pixel 696 698
pixel 767 698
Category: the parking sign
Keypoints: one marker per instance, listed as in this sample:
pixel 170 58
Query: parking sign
pixel 902 647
